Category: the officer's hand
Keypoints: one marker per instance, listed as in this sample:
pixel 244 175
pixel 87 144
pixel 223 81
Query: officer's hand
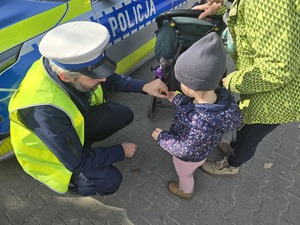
pixel 156 88
pixel 129 149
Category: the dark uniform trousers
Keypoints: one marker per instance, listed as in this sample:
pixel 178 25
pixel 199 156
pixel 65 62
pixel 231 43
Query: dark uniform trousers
pixel 102 121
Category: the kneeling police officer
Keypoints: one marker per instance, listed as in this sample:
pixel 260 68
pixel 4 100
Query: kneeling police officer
pixel 59 111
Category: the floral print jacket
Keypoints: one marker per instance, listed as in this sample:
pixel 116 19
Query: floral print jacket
pixel 197 129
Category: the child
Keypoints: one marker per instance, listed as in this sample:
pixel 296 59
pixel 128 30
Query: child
pixel 204 112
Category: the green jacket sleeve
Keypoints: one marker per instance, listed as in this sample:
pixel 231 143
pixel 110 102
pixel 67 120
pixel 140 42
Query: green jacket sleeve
pixel 266 35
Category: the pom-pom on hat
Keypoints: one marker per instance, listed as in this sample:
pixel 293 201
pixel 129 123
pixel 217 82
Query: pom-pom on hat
pixel 80 47
pixel 202 65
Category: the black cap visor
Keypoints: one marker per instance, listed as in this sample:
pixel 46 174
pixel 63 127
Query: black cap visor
pixel 104 68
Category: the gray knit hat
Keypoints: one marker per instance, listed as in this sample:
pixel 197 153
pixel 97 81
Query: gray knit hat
pixel 202 65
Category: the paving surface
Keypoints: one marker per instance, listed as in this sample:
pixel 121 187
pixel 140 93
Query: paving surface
pixel 266 190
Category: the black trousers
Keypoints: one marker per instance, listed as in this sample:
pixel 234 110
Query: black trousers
pixel 103 121
pixel 106 119
pixel 248 138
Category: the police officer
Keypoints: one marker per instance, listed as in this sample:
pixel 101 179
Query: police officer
pixel 59 110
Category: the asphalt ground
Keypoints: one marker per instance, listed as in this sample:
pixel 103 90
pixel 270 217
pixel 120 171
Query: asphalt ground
pixel 266 190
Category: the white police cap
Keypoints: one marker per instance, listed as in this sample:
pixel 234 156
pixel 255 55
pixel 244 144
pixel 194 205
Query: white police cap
pixel 79 46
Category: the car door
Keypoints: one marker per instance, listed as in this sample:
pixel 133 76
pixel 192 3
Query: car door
pixel 22 25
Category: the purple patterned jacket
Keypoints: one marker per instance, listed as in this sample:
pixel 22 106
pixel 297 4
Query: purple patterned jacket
pixel 197 129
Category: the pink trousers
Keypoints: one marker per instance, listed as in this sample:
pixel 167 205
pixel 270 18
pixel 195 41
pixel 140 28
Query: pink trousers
pixel 185 172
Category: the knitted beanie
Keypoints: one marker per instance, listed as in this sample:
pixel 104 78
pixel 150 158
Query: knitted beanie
pixel 202 65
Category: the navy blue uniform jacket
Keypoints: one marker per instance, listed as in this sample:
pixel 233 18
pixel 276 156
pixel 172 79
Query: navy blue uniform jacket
pixel 54 127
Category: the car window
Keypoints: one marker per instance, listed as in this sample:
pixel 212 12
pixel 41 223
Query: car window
pixel 9 57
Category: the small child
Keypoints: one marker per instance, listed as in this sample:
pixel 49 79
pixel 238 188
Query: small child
pixel 204 112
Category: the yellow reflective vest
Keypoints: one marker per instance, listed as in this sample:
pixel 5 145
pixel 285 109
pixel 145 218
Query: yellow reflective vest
pixel 38 88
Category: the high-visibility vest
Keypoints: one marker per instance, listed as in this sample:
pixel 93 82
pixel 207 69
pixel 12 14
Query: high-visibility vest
pixel 38 88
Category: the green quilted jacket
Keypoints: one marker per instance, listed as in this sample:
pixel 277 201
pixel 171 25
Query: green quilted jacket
pixel 266 34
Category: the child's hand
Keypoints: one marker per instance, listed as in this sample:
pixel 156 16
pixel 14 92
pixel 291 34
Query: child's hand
pixel 155 133
pixel 171 95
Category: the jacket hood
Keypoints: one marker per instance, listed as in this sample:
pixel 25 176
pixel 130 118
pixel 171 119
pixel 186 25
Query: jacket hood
pixel 224 115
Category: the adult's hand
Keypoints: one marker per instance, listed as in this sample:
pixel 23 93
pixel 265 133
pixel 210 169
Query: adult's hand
pixel 216 1
pixel 209 8
pixel 156 88
pixel 225 82
pixel 129 149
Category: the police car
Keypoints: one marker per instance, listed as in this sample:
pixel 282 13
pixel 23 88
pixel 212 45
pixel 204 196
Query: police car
pixel 23 24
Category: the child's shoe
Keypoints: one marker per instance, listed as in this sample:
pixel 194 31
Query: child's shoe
pixel 173 188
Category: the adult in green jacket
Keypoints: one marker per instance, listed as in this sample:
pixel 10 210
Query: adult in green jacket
pixel 267 77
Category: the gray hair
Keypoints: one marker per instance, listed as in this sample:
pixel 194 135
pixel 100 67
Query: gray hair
pixel 57 69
